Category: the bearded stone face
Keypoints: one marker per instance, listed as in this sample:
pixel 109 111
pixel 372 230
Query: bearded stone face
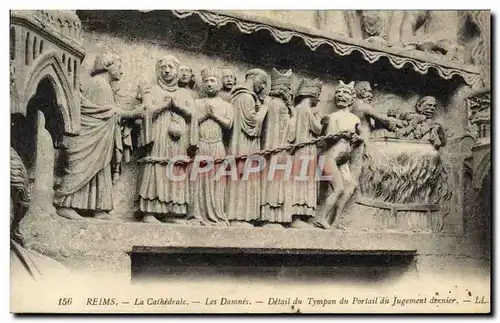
pixel 365 93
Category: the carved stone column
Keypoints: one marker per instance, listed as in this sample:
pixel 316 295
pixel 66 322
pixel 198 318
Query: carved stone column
pixel 458 150
pixel 479 105
pixel 43 192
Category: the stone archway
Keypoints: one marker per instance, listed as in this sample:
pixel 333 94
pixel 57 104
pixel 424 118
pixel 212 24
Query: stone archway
pixel 37 137
pixel 49 68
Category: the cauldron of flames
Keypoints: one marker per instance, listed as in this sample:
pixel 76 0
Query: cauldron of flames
pixel 404 186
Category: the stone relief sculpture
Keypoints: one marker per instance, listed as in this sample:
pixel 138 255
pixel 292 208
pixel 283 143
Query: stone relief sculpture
pixel 228 82
pixel 374 25
pixel 337 154
pixel 394 167
pixel 213 115
pixel 243 202
pixel 25 265
pixel 169 134
pixel 187 80
pixel 93 156
pixel 420 125
pixel 426 31
pixel 308 126
pixel 371 120
pixel 418 194
pixel 279 124
pixel 420 30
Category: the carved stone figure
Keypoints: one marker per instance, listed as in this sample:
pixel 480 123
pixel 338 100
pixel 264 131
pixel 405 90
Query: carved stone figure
pixel 187 80
pixel 421 125
pixel 228 82
pixel 94 154
pixel 163 186
pixel 278 131
pixel 213 116
pixel 308 126
pixel 411 24
pixel 431 31
pixel 406 184
pixel 374 25
pixel 25 265
pixel 243 204
pixel 370 119
pixel 337 154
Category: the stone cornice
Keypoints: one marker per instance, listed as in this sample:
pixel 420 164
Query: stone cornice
pixel 283 32
pixel 63 27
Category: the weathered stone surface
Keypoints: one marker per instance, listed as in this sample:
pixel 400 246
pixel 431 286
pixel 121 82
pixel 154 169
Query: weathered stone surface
pixel 93 238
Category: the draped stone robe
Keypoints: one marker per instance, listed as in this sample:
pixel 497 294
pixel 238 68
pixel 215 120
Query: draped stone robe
pixel 208 191
pixel 87 180
pixel 243 201
pixel 225 95
pixel 305 189
pixel 276 193
pixel 166 135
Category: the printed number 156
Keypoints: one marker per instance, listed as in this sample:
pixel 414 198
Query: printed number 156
pixel 65 301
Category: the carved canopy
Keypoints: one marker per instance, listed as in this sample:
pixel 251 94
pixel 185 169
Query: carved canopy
pixel 283 32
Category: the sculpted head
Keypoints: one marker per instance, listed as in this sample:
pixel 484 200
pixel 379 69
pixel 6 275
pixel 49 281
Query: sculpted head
pixel 364 91
pixel 228 79
pixel 186 76
pixel 259 79
pixel 281 85
pixel 211 82
pixel 108 62
pixel 310 88
pixel 19 190
pixel 426 106
pixel 344 95
pixel 167 68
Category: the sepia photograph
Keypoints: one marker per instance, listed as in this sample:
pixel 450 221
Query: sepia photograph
pixel 250 161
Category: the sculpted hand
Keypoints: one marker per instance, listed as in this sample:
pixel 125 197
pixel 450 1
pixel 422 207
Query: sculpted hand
pixel 167 101
pixel 210 110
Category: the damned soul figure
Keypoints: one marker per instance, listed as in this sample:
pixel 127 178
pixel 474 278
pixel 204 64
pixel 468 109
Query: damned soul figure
pixel 87 183
pixel 243 204
pixel 308 127
pixel 163 188
pixel 228 81
pixel 337 153
pixel 213 115
pixel 278 132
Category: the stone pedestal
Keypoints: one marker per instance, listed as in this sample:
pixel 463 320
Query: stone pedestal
pixel 95 245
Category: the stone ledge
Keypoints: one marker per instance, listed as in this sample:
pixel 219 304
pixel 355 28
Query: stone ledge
pixel 61 238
